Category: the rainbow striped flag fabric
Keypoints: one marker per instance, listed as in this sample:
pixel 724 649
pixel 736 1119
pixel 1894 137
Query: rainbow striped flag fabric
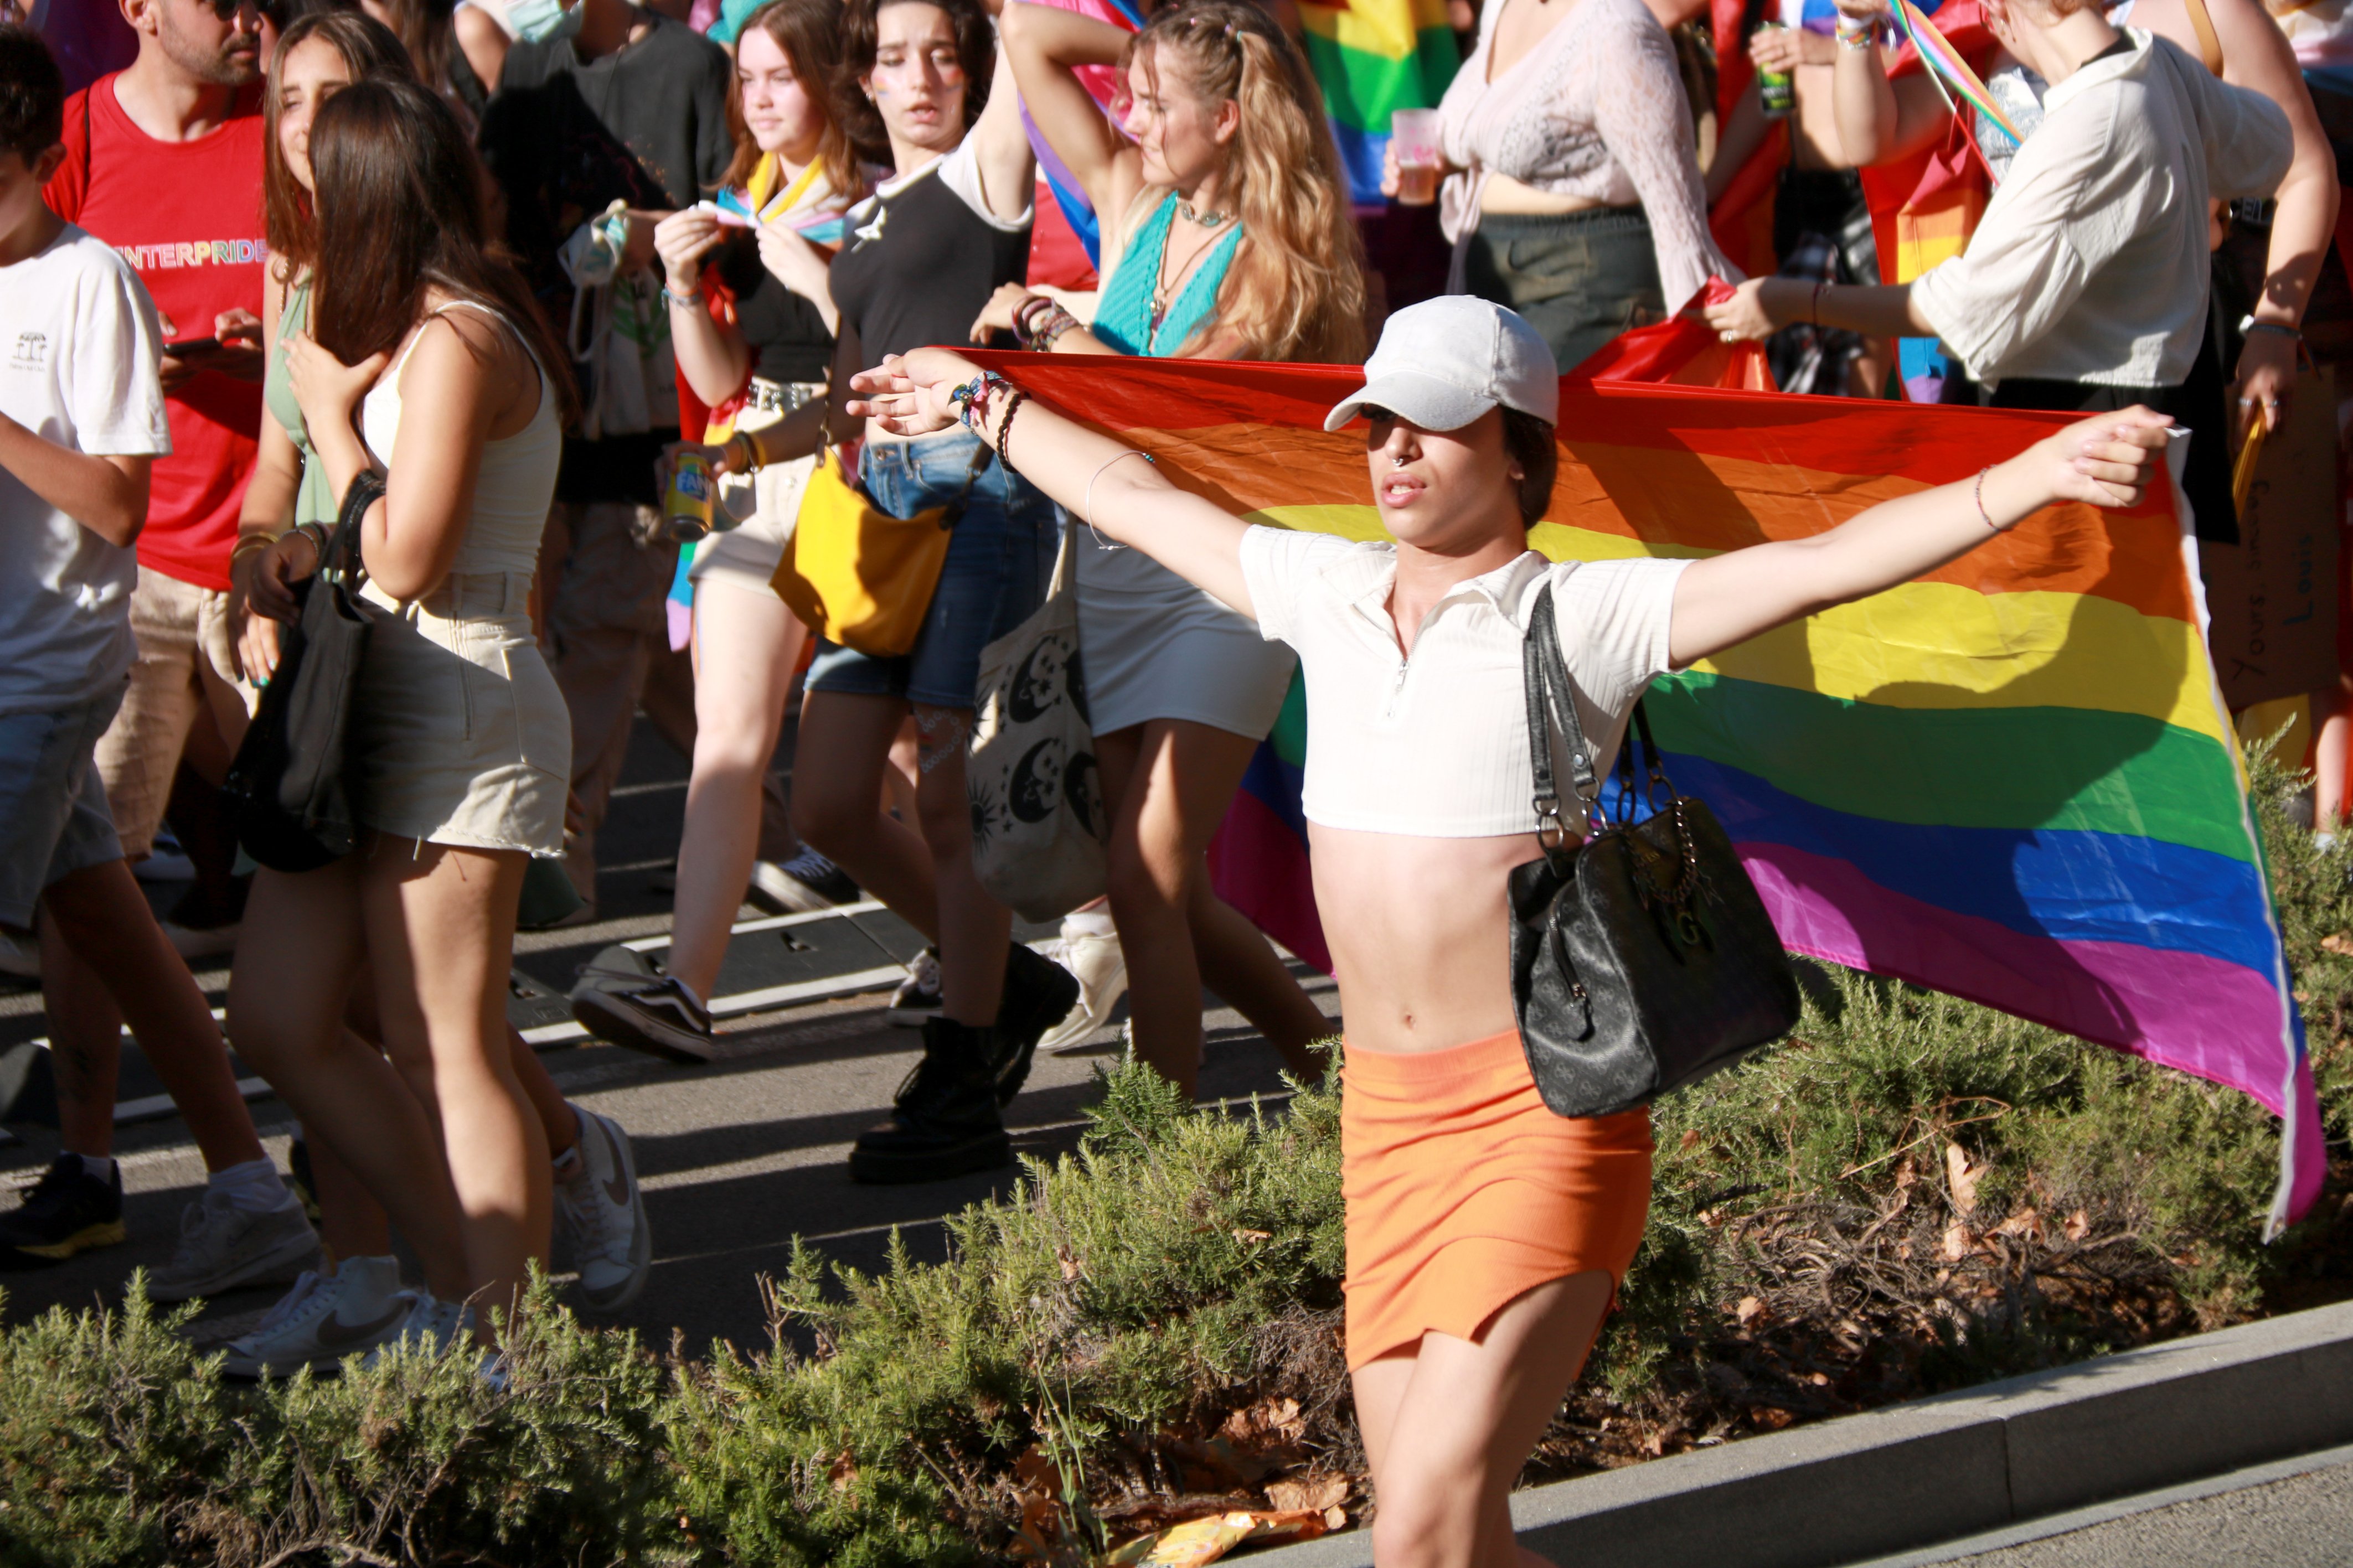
pixel 2012 780
pixel 1373 58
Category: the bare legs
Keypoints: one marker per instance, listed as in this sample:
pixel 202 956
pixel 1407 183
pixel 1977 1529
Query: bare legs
pixel 1447 1426
pixel 1172 780
pixel 437 921
pixel 112 964
pixel 110 937
pixel 441 927
pixel 841 766
pixel 301 939
pixel 745 646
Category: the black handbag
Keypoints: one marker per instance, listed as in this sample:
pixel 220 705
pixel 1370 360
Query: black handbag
pixel 1642 959
pixel 288 793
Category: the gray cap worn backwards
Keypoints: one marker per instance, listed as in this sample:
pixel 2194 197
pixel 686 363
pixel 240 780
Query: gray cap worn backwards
pixel 1445 362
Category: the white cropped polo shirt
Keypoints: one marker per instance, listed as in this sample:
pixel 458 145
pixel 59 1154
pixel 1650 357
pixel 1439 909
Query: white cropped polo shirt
pixel 1435 746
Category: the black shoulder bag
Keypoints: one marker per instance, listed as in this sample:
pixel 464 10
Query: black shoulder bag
pixel 1642 959
pixel 288 792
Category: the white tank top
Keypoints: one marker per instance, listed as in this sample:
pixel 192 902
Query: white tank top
pixel 517 480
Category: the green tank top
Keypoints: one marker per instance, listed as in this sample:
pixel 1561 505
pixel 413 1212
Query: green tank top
pixel 314 499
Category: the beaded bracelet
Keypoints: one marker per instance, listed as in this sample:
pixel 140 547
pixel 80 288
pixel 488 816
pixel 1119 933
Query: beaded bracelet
pixel 1058 321
pixel 1977 494
pixel 1025 318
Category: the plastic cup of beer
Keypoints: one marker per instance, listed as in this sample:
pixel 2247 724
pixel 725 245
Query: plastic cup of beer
pixel 1414 134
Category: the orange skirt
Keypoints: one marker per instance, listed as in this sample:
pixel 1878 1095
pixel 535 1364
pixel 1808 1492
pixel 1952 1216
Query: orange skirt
pixel 1463 1192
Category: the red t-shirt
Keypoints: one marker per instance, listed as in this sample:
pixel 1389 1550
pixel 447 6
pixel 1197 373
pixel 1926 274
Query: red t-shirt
pixel 186 215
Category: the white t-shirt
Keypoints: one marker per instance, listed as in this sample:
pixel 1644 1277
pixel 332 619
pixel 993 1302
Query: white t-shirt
pixel 78 367
pixel 1437 746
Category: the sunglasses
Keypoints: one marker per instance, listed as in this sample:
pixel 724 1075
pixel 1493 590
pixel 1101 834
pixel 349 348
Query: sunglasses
pixel 272 11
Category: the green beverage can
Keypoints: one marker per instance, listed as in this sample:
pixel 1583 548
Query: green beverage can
pixel 1775 93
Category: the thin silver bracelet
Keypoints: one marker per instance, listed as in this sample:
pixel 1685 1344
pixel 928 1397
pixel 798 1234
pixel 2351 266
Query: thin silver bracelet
pixel 1979 493
pixel 1087 505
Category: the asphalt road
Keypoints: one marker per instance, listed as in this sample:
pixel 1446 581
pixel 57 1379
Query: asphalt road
pixel 736 1157
pixel 2297 1513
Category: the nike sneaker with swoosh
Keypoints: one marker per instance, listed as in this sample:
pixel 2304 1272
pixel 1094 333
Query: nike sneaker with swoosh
pixel 602 1215
pixel 324 1318
pixel 222 1247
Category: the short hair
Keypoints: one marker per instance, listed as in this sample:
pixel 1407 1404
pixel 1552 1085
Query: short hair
pixel 1528 441
pixel 32 95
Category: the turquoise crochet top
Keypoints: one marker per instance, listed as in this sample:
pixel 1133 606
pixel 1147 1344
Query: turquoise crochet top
pixel 1123 313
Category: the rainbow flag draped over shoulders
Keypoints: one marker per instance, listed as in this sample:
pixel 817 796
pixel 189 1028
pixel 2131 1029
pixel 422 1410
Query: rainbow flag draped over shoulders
pixel 1373 58
pixel 2012 780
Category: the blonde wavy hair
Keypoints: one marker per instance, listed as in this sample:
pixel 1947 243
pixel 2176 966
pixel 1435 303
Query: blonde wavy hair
pixel 1296 290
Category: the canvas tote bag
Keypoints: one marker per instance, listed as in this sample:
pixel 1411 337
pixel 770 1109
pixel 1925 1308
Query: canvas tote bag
pixel 1039 821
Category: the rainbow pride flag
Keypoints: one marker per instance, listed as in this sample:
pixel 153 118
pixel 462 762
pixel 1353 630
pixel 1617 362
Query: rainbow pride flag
pixel 1373 58
pixel 1949 70
pixel 2012 780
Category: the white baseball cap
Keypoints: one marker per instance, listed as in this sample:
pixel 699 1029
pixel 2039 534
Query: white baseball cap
pixel 1445 362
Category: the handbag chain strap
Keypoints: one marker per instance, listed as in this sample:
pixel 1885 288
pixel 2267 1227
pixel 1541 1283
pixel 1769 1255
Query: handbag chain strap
pixel 1550 709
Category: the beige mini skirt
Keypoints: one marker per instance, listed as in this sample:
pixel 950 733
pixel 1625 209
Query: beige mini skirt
pixel 461 736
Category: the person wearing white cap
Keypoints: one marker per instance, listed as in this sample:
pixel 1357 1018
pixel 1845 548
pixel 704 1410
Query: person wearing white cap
pixel 1486 1236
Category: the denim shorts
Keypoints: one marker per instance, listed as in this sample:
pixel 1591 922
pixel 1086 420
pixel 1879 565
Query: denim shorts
pixel 1580 277
pixel 1001 558
pixel 53 816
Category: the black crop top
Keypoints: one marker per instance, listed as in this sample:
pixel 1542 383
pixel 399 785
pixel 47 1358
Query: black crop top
pixel 919 262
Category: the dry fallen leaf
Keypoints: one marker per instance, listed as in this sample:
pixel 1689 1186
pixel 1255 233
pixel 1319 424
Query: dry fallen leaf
pixel 844 1473
pixel 2079 1226
pixel 1320 1493
pixel 1070 1264
pixel 1962 1178
pixel 1248 1237
pixel 1958 1240
pixel 2337 942
pixel 1749 1311
pixel 1690 1134
pixel 2025 1224
pixel 1336 1517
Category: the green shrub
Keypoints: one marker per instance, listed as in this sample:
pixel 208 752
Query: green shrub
pixel 1912 1194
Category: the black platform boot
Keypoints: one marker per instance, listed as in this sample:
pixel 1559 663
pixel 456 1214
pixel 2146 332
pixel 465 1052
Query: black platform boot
pixel 943 1120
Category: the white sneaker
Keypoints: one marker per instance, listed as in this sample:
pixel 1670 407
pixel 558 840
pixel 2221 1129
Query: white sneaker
pixel 917 1000
pixel 431 1328
pixel 222 1247
pixel 1100 966
pixel 324 1318
pixel 603 1215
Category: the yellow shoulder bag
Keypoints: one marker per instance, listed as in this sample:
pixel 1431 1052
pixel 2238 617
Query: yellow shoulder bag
pixel 856 575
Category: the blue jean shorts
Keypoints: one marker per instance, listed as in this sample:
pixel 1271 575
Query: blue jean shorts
pixel 53 816
pixel 1000 560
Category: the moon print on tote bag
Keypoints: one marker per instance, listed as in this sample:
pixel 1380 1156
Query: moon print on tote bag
pixel 1039 822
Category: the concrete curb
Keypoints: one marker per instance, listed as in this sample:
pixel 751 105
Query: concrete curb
pixel 1958 1464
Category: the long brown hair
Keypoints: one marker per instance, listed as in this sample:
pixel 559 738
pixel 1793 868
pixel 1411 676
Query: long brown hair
pixel 1296 290
pixel 429 28
pixel 976 38
pixel 371 53
pixel 401 209
pixel 809 32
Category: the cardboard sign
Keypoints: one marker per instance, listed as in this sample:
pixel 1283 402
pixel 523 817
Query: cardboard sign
pixel 2273 596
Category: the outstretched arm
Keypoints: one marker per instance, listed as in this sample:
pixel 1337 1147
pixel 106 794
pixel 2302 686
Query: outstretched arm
pixel 1729 599
pixel 1093 475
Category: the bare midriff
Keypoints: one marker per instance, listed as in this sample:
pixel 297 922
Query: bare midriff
pixel 1420 933
pixel 1504 195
